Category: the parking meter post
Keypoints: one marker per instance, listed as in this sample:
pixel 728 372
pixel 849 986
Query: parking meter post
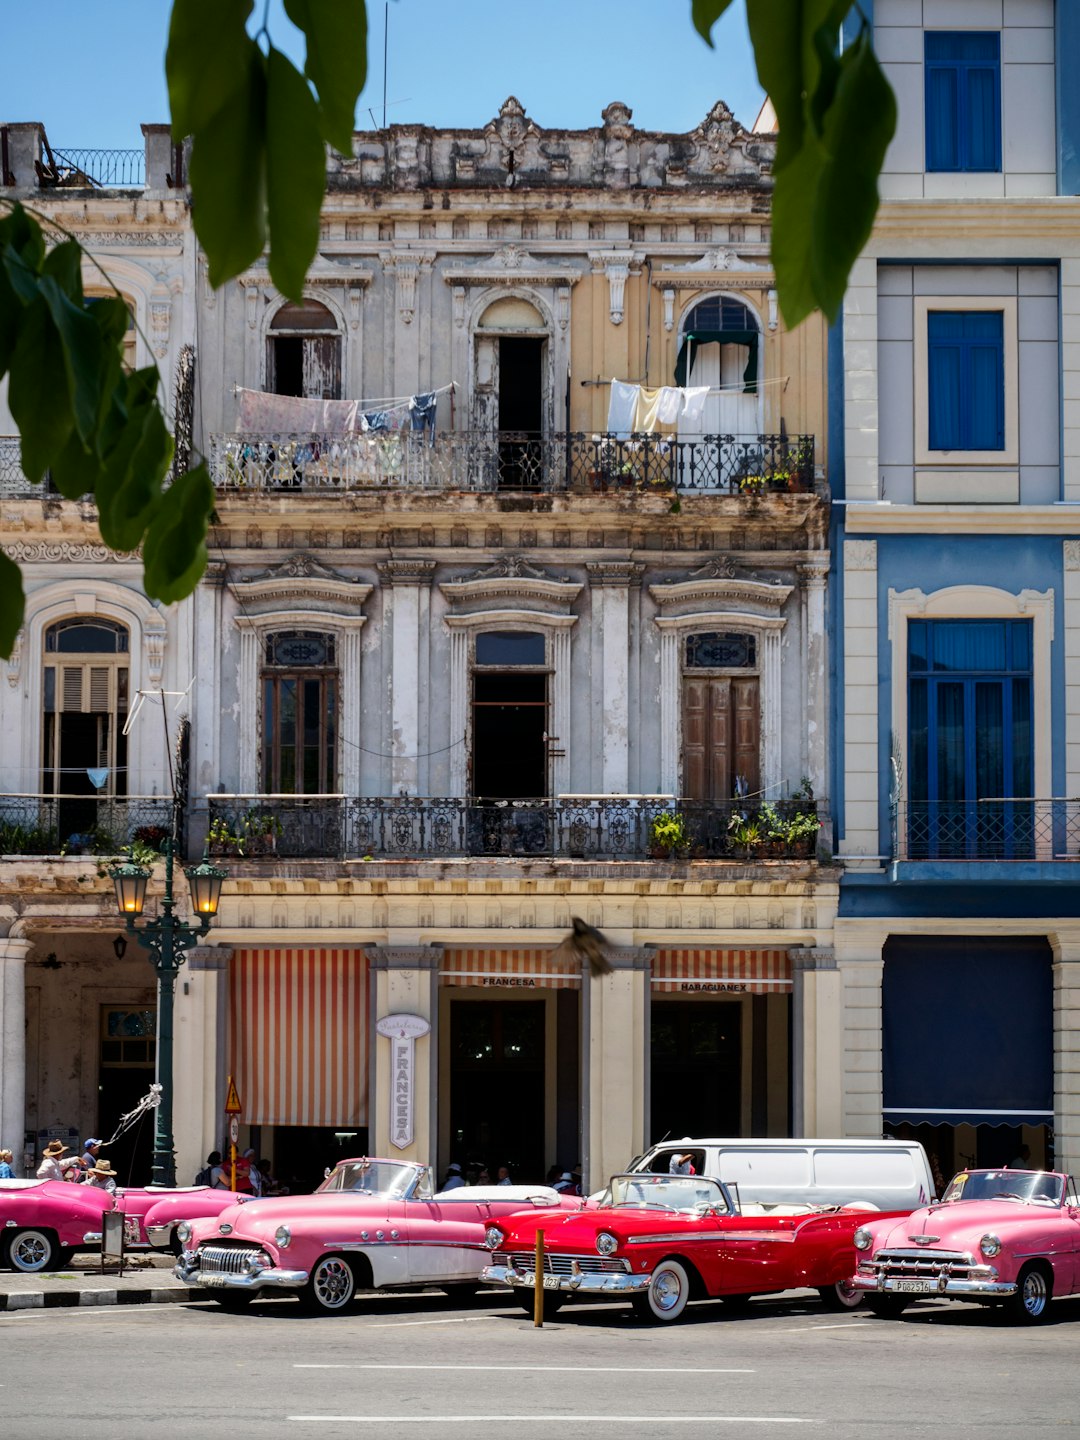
pixel 538 1281
pixel 232 1164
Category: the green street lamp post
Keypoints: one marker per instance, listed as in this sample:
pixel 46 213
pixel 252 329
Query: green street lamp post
pixel 168 939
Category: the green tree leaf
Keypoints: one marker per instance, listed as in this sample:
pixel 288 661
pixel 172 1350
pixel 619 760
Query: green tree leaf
pixel 80 340
pixel 129 487
pixel 705 14
pixel 296 174
pixel 174 552
pixel 228 175
pixel 205 60
pixel 794 231
pixel 37 391
pixel 12 603
pixel 336 63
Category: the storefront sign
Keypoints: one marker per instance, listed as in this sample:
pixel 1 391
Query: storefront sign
pixel 402 1031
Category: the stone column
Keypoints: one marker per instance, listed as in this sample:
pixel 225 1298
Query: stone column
pixel 202 999
pixel 406 982
pixel 1066 971
pixel 611 582
pixel 812 577
pixel 618 1063
pixel 206 716
pixel 860 640
pixel 13 1045
pixel 858 1061
pixel 409 584
pixel 815 1038
pixel 248 716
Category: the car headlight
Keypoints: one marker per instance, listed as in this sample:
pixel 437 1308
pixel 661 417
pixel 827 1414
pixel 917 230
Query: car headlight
pixel 862 1238
pixel 183 1232
pixel 493 1237
pixel 990 1245
pixel 606 1243
pixel 282 1237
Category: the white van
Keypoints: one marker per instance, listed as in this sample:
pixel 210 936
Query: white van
pixel 791 1175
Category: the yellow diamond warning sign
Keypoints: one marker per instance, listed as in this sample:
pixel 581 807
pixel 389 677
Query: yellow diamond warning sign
pixel 232 1103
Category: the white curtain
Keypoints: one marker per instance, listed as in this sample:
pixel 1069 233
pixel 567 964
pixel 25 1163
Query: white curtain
pixel 730 413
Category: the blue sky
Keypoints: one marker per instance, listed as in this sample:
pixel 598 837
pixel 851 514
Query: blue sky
pixel 92 70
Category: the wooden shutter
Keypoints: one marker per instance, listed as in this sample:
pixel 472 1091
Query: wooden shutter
pixel 322 367
pixel 746 705
pixel 721 735
pixel 87 689
pixel 695 731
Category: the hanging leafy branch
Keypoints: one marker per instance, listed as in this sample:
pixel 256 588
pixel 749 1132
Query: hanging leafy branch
pixel 836 114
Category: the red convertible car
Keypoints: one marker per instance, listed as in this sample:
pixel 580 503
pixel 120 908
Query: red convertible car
pixel 1004 1237
pixel 663 1240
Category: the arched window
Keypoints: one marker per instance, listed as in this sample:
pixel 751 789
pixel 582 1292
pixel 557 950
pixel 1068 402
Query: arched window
pixel 300 713
pixel 303 352
pixel 85 705
pixel 510 389
pixel 721 348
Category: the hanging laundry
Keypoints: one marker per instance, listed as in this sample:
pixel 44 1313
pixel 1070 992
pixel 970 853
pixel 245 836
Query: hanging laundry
pixel 264 414
pixel 375 421
pixel 692 416
pixel 670 404
pixel 422 410
pixel 97 777
pixel 621 407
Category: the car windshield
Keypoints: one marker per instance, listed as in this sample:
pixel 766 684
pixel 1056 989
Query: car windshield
pixel 371 1177
pixel 1027 1186
pixel 665 1192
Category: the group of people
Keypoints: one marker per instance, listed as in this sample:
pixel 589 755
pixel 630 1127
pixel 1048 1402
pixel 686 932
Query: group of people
pixel 89 1168
pixel 253 1176
pixel 566 1182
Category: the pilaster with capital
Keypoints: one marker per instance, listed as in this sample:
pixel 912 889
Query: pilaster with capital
pixel 1066 980
pixel 616 1027
pixel 613 583
pixel 199 1049
pixel 406 981
pixel 861 969
pixel 815 668
pixel 13 953
pixel 408 600
pixel 815 1038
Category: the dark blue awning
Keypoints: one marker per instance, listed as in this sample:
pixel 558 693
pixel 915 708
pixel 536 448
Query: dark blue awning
pixel 967 1031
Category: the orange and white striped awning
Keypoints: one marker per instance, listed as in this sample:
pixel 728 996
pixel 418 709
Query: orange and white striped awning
pixel 298 1036
pixel 507 970
pixel 721 972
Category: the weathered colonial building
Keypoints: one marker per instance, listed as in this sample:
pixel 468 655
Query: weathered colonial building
pixel 483 646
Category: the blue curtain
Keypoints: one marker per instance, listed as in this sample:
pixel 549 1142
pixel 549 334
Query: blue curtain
pixel 963 100
pixel 942 132
pixel 966 379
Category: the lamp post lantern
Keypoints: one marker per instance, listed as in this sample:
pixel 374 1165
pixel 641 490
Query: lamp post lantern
pixel 168 939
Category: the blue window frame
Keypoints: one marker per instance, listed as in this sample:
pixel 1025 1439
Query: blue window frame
pixel 966 378
pixel 970 739
pixel 963 100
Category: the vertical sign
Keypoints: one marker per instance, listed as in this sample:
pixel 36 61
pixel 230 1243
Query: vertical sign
pixel 402 1031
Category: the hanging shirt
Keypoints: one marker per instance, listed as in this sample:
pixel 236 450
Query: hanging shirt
pixel 621 407
pixel 693 407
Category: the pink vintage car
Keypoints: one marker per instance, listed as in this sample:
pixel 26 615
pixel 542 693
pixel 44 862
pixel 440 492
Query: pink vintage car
pixel 44 1222
pixel 372 1224
pixel 1006 1237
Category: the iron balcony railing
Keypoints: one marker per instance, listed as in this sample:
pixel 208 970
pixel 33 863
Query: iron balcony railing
pixel 991 829
pixel 489 461
pixel 81 824
pixel 82 168
pixel 570 827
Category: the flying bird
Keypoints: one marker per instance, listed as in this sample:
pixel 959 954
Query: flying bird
pixel 584 943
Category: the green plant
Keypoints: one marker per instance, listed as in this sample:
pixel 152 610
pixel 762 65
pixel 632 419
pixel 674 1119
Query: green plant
pixel 771 823
pixel 222 837
pixel 26 840
pixel 751 484
pixel 745 831
pixel 668 833
pixel 802 826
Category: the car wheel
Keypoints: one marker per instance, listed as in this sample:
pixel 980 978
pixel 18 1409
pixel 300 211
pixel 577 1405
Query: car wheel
pixel 32 1250
pixel 553 1302
pixel 1031 1303
pixel 887 1307
pixel 234 1300
pixel 668 1292
pixel 330 1287
pixel 841 1296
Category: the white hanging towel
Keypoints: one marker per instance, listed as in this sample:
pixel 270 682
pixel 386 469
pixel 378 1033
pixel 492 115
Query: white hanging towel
pixel 693 407
pixel 621 408
pixel 669 405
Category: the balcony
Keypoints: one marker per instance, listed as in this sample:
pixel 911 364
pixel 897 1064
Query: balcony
pixel 571 827
pixel 81 824
pixel 488 462
pixel 987 830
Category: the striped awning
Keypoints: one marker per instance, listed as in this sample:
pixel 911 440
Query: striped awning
pixel 721 972
pixel 507 970
pixel 298 1036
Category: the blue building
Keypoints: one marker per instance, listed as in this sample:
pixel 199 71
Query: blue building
pixel 951 1001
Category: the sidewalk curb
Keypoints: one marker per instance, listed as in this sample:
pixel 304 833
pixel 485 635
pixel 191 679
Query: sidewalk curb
pixel 72 1299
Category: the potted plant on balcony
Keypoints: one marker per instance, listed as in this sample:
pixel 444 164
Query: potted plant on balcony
pixel 800 833
pixel 222 839
pixel 668 837
pixel 260 832
pixel 746 836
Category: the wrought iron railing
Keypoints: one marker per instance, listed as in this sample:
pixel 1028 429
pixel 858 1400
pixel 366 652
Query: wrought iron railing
pixel 992 829
pixel 96 169
pixel 570 827
pixel 81 824
pixel 513 460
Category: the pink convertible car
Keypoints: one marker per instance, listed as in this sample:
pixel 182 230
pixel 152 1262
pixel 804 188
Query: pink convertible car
pixel 44 1222
pixel 1007 1237
pixel 372 1224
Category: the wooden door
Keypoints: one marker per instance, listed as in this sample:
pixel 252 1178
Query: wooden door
pixel 721 735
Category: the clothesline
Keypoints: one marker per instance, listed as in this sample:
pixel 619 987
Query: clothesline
pixel 386 401
pixel 264 413
pixel 713 389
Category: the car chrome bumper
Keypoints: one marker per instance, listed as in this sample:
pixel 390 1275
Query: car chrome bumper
pixel 191 1275
pixel 941 1285
pixel 92 1237
pixel 585 1284
pixel 160 1236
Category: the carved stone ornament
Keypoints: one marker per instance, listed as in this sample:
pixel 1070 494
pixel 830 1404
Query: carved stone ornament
pixel 14 663
pixel 406 571
pixel 154 649
pixel 514 566
pixel 300 566
pixel 511 264
pixel 30 552
pixel 93 239
pixel 516 578
pixel 301 584
pixel 1072 554
pixel 160 316
pixel 860 554
pixel 617 268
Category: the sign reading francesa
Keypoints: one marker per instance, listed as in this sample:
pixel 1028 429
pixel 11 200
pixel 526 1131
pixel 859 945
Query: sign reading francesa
pixel 402 1031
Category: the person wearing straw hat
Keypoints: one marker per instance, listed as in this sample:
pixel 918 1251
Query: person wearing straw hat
pixel 51 1167
pixel 102 1175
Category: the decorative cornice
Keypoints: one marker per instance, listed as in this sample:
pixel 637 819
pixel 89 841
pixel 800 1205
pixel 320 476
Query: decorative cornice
pixel 33 552
pixel 322 272
pixel 93 239
pixel 413 957
pixel 406 572
pixel 719 581
pixel 303 579
pixel 874 517
pixel 511 265
pixel 810 958
pixel 512 576
pixel 621 573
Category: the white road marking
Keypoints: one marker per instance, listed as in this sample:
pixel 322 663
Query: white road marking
pixel 545 1369
pixel 809 1329
pixel 488 1418
pixel 403 1324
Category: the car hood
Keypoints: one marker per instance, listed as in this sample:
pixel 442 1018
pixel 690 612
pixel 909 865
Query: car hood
pixel 573 1229
pixel 258 1219
pixel 961 1224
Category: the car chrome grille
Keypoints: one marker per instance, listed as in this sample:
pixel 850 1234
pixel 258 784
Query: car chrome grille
pixel 923 1264
pixel 228 1259
pixel 563 1264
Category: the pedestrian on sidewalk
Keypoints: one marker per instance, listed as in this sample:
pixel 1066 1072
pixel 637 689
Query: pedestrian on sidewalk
pixel 6 1172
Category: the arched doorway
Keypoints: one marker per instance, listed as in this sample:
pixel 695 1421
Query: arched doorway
pixel 511 390
pixel 303 352
pixel 720 347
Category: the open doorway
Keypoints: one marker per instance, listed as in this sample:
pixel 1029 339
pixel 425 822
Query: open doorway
pixel 521 412
pixel 497 1052
pixel 696 1082
pixel 509 715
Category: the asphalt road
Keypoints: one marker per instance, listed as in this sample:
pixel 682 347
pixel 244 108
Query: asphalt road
pixel 402 1366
